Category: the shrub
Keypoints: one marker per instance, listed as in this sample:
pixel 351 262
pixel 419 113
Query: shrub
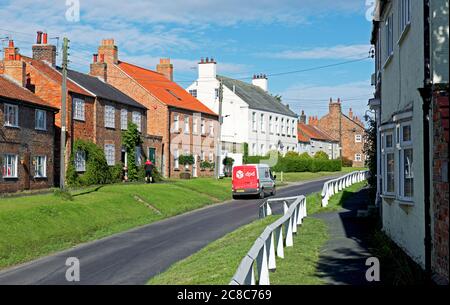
pixel 97 169
pixel 131 139
pixel 291 154
pixel 116 173
pixel 305 155
pixel 347 162
pixel 321 155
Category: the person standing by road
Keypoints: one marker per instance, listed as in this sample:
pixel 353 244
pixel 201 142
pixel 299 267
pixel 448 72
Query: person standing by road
pixel 149 171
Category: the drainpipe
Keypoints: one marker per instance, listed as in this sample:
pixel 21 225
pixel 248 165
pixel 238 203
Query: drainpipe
pixel 426 94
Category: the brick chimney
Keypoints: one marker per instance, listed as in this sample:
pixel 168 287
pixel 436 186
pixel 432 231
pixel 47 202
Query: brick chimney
pixel 165 68
pixel 335 107
pixel 261 81
pixel 98 68
pixel 303 118
pixel 13 66
pixel 108 52
pixel 350 114
pixel 44 51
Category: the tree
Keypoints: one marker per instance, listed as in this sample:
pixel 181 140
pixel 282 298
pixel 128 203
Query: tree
pixel 131 138
pixel 228 165
pixel 305 156
pixel 245 157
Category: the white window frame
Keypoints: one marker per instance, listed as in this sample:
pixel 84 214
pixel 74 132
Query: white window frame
pixel 202 156
pixel 193 92
pixel 203 127
pixel 176 156
pixel 384 152
pixel 137 120
pixel 277 126
pixel 254 123
pixel 402 147
pixel 293 128
pixel 389 37
pixel 358 138
pixel 186 124
pixel 80 161
pixel 211 129
pixel 404 15
pixel 211 157
pixel 262 147
pixel 37 126
pixel 194 125
pixel 271 124
pixel 123 119
pixel 79 109
pixel 176 123
pixel 7 113
pixel 262 123
pixel 110 154
pixel 110 116
pixel 358 157
pixel 254 152
pixel 40 161
pixel 283 131
pixel 13 166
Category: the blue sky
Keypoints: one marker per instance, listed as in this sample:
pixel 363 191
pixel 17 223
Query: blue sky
pixel 245 37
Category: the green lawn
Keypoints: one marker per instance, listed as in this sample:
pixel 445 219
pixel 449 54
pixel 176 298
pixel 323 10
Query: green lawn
pixel 35 226
pixel 216 263
pixel 297 177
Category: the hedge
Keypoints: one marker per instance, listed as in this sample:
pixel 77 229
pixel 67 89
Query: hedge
pixel 300 164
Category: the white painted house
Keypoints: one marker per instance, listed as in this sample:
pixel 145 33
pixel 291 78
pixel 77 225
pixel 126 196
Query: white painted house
pixel 250 114
pixel 398 35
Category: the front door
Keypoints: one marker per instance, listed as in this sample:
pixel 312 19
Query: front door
pixel 152 155
pixel 194 167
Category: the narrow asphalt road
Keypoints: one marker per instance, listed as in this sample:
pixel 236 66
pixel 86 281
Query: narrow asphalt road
pixel 135 256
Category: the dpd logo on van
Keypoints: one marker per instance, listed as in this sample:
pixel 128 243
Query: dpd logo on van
pixel 239 174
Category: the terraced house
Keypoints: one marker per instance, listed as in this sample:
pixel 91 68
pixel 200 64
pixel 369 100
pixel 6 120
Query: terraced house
pixel 250 113
pixel 95 110
pixel 186 126
pixel 26 138
pixel 413 127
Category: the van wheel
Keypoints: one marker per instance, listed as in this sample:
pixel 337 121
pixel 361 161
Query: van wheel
pixel 261 194
pixel 235 197
pixel 274 191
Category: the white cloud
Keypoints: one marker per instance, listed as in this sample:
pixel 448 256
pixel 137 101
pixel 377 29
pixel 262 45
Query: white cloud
pixel 314 99
pixel 334 52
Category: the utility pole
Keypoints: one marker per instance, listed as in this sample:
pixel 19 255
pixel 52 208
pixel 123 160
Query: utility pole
pixel 219 132
pixel 62 170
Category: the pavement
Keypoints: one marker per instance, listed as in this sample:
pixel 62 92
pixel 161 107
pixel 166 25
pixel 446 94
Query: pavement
pixel 342 259
pixel 133 257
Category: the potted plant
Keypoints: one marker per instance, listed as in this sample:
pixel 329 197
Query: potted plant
pixel 204 165
pixel 186 160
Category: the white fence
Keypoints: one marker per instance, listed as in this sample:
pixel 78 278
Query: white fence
pixel 334 186
pixel 262 256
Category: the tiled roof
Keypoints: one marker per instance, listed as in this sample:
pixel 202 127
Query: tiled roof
pixel 256 97
pixel 313 132
pixel 55 75
pixel 11 90
pixel 101 89
pixel 168 92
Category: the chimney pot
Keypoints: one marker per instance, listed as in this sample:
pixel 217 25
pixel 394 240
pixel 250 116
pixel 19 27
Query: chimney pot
pixel 39 37
pixel 44 38
pixel 11 43
pixel 95 57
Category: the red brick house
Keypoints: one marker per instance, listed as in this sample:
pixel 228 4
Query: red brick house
pixel 347 129
pixel 185 124
pixel 26 139
pixel 113 111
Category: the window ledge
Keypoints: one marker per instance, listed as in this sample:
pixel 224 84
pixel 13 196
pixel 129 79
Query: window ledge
pixel 403 34
pixel 40 129
pixel 388 60
pixel 388 196
pixel 405 202
pixel 12 126
pixel 41 177
pixel 12 178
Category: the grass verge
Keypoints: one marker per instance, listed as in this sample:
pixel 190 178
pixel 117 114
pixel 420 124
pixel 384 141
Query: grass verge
pixel 303 176
pixel 34 226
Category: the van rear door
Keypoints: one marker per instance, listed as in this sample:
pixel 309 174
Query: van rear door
pixel 245 177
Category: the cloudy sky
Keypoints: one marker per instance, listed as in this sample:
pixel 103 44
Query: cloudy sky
pixel 244 36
